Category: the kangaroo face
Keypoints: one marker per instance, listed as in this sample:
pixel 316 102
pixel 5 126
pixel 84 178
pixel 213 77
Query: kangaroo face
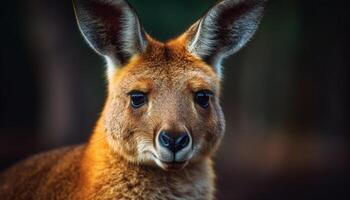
pixel 167 111
pixel 163 98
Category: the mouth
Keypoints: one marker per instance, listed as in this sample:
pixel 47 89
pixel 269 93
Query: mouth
pixel 170 166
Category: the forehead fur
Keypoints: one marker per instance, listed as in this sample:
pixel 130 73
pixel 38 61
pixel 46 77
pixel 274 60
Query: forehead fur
pixel 166 63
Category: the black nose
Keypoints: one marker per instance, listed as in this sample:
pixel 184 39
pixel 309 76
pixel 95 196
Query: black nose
pixel 173 141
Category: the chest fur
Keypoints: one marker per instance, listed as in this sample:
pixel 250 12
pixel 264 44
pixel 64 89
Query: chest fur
pixel 149 184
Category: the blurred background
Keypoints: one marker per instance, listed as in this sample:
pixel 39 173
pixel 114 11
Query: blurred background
pixel 285 95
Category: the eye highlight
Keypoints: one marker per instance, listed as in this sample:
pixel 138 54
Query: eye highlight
pixel 138 99
pixel 202 98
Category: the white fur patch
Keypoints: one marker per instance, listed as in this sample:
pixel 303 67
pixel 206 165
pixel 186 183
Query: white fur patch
pixel 111 67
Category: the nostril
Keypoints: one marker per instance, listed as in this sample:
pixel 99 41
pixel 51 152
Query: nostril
pixel 164 139
pixel 182 141
pixel 173 141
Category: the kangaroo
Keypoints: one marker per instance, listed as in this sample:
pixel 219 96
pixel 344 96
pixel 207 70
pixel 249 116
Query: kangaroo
pixel 161 123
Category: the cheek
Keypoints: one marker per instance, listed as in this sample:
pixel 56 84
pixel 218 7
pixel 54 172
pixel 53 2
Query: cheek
pixel 209 129
pixel 114 115
pixel 126 126
pixel 118 126
pixel 211 119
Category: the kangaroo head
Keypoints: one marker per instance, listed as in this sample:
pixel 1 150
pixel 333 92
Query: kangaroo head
pixel 163 98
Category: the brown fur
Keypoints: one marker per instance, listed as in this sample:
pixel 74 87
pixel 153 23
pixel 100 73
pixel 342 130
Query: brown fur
pixel 97 171
pixel 119 161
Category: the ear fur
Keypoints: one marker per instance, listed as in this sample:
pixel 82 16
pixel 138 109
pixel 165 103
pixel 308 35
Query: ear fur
pixel 224 30
pixel 111 28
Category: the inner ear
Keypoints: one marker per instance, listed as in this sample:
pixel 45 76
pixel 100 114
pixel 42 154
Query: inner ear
pixel 111 28
pixel 224 30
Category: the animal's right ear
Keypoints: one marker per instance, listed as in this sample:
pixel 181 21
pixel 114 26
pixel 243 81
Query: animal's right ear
pixel 112 29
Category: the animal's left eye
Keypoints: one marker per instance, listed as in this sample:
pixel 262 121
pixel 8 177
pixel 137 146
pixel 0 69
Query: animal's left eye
pixel 202 98
pixel 138 99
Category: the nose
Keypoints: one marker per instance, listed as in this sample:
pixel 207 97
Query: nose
pixel 173 141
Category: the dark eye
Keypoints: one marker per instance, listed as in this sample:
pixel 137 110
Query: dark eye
pixel 202 98
pixel 138 99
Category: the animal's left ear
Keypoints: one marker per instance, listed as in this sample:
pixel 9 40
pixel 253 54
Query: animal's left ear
pixel 224 29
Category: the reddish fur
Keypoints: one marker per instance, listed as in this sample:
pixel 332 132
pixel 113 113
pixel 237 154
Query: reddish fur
pixel 123 158
pixel 97 171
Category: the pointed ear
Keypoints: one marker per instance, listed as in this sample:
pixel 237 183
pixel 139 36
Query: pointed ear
pixel 224 29
pixel 112 29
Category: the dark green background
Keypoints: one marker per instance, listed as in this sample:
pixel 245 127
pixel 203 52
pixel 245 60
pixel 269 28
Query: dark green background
pixel 285 94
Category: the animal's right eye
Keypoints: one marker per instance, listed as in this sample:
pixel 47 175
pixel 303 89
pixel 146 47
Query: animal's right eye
pixel 138 99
